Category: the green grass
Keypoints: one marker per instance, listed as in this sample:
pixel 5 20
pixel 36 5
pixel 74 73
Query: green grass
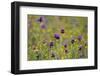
pixel 39 38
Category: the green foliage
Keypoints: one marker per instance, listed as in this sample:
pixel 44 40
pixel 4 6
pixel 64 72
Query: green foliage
pixel 39 37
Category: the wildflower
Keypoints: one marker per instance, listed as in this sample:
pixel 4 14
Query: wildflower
pixel 80 47
pixel 66 51
pixel 57 36
pixel 41 19
pixel 62 31
pixel 51 44
pixel 43 26
pixel 65 45
pixel 73 40
pixel 80 37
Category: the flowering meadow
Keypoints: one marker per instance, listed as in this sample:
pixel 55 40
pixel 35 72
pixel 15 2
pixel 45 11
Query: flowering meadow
pixel 57 37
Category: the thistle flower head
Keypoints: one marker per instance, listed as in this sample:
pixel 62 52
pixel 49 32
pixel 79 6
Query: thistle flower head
pixel 57 36
pixel 65 45
pixel 43 26
pixel 66 51
pixel 72 40
pixel 62 31
pixel 80 47
pixel 51 44
pixel 80 37
pixel 41 19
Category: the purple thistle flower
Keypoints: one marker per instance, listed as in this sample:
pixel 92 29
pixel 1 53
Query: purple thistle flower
pixel 43 26
pixel 80 47
pixel 62 30
pixel 73 40
pixel 51 44
pixel 66 51
pixel 80 37
pixel 65 45
pixel 41 19
pixel 57 36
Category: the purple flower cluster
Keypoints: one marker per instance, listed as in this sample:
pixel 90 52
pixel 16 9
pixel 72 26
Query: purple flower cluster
pixel 42 22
